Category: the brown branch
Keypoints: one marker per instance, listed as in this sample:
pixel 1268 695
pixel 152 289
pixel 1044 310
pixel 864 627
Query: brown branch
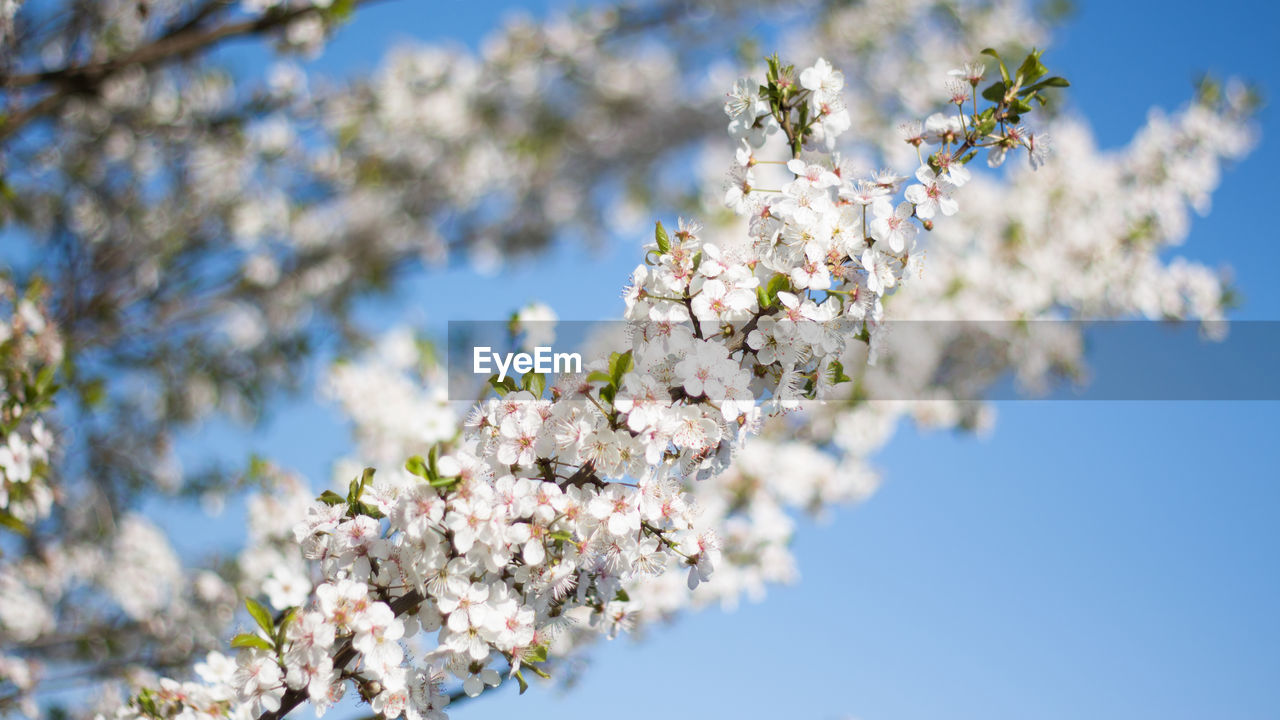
pixel 197 17
pixel 181 41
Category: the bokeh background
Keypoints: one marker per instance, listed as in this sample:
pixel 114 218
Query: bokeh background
pixel 1086 559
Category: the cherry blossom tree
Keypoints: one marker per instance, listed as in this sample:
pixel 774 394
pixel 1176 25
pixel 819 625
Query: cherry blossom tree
pixel 198 238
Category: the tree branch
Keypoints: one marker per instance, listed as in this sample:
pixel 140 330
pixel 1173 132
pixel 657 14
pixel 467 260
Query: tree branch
pixel 180 41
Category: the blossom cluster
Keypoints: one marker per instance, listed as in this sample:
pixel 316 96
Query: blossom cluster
pixel 30 353
pixel 434 133
pixel 528 528
pixel 820 456
pixel 792 465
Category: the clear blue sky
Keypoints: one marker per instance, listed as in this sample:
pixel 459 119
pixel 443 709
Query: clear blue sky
pixel 1089 560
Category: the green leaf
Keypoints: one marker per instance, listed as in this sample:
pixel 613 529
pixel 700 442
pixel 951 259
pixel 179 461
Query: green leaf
pixel 341 10
pixel 329 497
pixel 534 382
pixel 538 654
pixel 13 523
pixel 837 373
pixel 93 393
pixel 1004 71
pixel 600 377
pixel 995 92
pixel 768 293
pixel 283 625
pixel 147 703
pixel 249 640
pixel 660 235
pixel 778 283
pixel 762 297
pixel 444 482
pixel 524 684
pixel 260 614
pixel 1031 68
pixel 417 466
pixel 44 379
pixel 502 387
pixel 619 364
pixel 1055 81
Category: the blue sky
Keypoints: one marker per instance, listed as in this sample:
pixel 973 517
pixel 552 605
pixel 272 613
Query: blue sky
pixel 1089 559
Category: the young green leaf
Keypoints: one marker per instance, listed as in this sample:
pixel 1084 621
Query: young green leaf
pixel 502 387
pixel 1031 68
pixel 283 625
pixel 660 235
pixel 619 364
pixel 762 297
pixel 417 466
pixel 249 640
pixel 1004 71
pixel 534 382
pixel 260 614
pixel 13 523
pixel 600 377
pixel 329 497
